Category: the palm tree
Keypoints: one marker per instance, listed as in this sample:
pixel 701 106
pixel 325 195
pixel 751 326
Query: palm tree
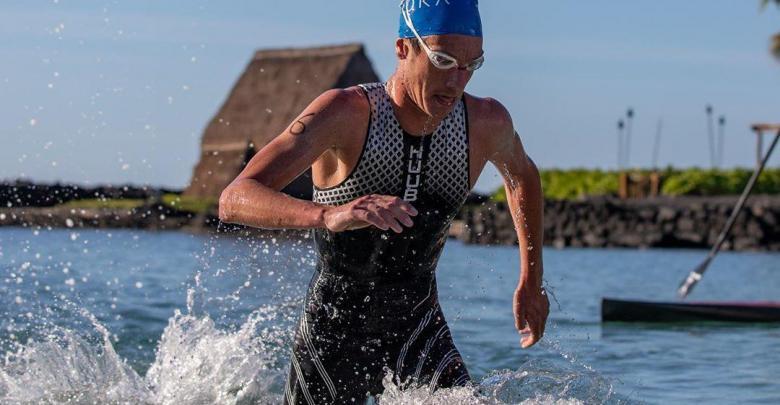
pixel 776 37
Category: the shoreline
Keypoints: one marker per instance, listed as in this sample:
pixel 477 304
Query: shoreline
pixel 666 222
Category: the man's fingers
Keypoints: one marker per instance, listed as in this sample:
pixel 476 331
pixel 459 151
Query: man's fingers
pixel 394 208
pixel 371 218
pixel 390 219
pixel 408 208
pixel 401 215
pixel 529 340
pixel 534 329
pixel 400 204
pixel 532 333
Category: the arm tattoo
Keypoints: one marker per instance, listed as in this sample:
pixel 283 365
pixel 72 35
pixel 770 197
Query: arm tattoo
pixel 298 127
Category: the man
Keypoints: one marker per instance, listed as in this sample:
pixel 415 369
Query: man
pixel 391 164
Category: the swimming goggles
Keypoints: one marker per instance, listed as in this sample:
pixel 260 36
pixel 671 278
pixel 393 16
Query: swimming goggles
pixel 439 59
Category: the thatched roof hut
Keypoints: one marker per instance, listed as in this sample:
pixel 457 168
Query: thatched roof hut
pixel 275 87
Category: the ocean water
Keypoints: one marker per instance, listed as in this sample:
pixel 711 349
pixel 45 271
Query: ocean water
pixel 121 316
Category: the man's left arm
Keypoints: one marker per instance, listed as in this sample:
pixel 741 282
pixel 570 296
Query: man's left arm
pixel 526 203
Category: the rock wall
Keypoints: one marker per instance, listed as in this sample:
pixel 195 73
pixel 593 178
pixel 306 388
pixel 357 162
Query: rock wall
pixel 692 222
pixel 149 216
pixel 682 222
pixel 22 193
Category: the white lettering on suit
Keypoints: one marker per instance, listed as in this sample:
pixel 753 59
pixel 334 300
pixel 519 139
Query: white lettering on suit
pixel 414 170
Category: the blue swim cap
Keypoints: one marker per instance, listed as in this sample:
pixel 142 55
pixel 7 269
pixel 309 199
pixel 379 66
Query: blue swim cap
pixel 440 17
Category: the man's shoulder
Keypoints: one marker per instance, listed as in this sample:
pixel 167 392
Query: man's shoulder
pixel 488 118
pixel 340 110
pixel 348 100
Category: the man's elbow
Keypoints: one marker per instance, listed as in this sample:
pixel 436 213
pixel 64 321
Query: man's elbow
pixel 531 167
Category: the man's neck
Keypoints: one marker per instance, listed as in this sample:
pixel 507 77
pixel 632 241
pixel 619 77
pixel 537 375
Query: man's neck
pixel 410 116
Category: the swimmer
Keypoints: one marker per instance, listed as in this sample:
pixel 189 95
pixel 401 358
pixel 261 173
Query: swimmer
pixel 392 163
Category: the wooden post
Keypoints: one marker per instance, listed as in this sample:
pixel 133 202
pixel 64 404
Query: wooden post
pixel 655 184
pixel 623 186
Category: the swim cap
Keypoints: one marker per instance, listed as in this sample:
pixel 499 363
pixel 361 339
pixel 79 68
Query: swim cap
pixel 440 17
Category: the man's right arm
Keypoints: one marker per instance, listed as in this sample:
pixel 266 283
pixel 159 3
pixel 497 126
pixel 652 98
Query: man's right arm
pixel 254 198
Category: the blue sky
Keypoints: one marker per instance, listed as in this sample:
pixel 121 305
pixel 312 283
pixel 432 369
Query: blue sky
pixel 119 91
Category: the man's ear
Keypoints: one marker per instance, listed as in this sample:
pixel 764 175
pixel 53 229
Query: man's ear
pixel 401 49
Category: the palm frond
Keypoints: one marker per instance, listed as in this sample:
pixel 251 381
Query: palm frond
pixel 764 3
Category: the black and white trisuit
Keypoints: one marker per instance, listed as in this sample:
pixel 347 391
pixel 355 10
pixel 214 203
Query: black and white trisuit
pixel 372 305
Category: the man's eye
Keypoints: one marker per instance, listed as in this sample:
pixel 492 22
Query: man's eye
pixel 441 60
pixel 475 65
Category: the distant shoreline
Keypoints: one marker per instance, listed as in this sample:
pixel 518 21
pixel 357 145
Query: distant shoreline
pixel 669 222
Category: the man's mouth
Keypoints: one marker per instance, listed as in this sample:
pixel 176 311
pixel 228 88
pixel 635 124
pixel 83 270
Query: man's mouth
pixel 445 100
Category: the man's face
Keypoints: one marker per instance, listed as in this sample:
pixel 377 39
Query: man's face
pixel 433 90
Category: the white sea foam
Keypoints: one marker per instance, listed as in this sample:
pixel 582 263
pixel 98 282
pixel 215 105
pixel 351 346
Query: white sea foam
pixel 535 382
pixel 197 362
pixel 65 367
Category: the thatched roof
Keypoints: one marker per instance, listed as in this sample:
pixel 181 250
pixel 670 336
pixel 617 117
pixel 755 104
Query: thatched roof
pixel 275 87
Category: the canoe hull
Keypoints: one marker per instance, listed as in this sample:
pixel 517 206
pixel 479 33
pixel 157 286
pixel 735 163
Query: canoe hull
pixel 613 310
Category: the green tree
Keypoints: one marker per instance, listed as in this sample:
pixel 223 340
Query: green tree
pixel 776 37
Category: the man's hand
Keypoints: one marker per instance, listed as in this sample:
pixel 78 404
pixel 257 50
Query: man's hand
pixel 531 307
pixel 382 211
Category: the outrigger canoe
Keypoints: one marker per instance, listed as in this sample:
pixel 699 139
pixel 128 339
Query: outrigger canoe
pixel 614 310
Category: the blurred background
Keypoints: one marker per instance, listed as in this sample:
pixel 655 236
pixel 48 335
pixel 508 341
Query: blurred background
pixel 117 91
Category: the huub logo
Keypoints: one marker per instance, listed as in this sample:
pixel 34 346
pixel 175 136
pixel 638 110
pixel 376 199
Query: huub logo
pixel 414 170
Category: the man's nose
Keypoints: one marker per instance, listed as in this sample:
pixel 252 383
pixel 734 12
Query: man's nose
pixel 457 78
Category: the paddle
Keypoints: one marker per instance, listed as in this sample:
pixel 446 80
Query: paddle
pixel 687 285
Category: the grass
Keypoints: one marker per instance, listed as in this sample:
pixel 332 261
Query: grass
pixel 193 205
pixel 575 183
pixel 104 203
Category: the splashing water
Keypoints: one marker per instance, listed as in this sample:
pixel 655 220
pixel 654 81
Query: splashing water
pixel 198 363
pixel 67 368
pixel 71 357
pixel 535 382
pixel 195 363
